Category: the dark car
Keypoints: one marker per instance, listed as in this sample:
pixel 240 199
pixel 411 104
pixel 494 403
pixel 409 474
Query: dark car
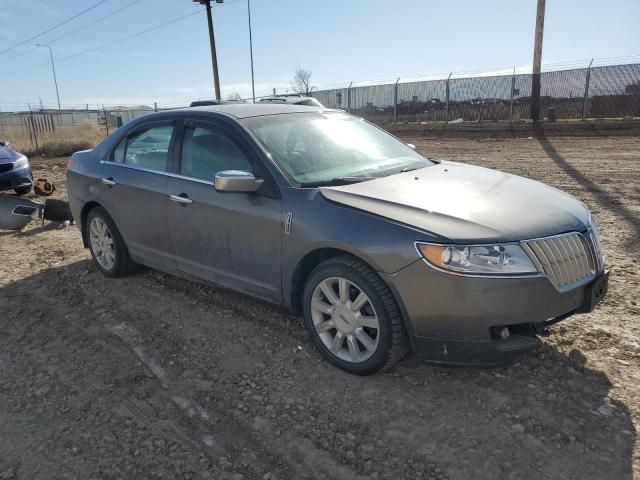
pixel 15 171
pixel 380 249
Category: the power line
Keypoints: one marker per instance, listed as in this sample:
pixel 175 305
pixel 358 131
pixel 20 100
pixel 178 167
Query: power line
pixel 129 37
pixel 54 27
pixel 85 26
pixel 99 47
pixel 95 21
pixel 77 29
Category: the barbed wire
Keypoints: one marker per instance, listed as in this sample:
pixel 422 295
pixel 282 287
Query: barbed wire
pixel 37 35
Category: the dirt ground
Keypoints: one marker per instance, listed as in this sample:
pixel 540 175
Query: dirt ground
pixel 156 377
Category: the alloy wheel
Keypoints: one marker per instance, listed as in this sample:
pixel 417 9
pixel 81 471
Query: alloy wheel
pixel 102 244
pixel 345 320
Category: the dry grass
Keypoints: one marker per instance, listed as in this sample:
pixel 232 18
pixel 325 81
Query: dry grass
pixel 64 141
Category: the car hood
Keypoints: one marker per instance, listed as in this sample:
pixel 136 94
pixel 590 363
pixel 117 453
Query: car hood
pixel 8 155
pixel 466 203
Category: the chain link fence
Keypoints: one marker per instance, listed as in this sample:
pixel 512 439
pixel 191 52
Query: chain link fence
pixel 593 92
pixel 611 91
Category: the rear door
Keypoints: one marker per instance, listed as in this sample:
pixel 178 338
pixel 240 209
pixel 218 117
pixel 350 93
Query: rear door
pixel 232 239
pixel 133 191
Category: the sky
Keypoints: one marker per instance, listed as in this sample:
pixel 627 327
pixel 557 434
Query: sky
pixel 338 40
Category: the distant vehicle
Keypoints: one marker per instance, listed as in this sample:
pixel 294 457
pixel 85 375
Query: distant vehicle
pixel 208 103
pixel 15 170
pixel 292 99
pixel 380 249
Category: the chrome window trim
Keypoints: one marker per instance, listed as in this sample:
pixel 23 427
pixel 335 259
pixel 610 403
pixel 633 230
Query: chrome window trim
pixel 158 172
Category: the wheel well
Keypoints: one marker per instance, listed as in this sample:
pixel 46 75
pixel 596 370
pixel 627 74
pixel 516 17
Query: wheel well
pixel 83 217
pixel 310 261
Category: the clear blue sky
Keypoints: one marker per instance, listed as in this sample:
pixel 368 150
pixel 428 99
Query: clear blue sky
pixel 339 40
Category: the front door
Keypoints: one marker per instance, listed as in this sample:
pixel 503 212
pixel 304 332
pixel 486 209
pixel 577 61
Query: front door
pixel 231 239
pixel 133 191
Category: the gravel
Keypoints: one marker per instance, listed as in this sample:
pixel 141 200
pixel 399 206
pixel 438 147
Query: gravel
pixel 156 377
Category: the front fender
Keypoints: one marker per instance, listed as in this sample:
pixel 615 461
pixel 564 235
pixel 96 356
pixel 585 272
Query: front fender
pixel 317 223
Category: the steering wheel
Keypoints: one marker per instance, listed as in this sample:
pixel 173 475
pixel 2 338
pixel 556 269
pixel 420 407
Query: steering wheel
pixel 301 161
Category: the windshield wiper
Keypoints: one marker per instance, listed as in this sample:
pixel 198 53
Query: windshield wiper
pixel 338 181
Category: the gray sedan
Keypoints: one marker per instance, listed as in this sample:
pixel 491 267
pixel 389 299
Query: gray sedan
pixel 381 249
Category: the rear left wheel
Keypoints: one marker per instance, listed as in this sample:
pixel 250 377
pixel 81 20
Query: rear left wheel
pixel 352 317
pixel 107 246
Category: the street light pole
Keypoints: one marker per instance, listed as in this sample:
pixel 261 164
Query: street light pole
pixel 253 87
pixel 53 67
pixel 212 41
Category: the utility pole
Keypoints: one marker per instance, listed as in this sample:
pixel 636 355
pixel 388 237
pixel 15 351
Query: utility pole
pixel 53 67
pixel 253 87
pixel 537 63
pixel 212 41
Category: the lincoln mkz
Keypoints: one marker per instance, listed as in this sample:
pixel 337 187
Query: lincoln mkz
pixel 379 248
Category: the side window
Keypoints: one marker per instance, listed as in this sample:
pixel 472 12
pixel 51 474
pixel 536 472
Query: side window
pixel 207 151
pixel 148 148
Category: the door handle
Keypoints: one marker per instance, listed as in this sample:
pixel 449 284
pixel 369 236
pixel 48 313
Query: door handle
pixel 108 181
pixel 182 198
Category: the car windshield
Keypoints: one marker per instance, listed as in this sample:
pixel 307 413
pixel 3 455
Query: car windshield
pixel 324 148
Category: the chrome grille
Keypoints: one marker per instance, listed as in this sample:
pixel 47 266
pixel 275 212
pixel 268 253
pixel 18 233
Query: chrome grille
pixel 567 259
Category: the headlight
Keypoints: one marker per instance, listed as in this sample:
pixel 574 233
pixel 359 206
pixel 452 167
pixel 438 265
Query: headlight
pixel 21 163
pixel 478 259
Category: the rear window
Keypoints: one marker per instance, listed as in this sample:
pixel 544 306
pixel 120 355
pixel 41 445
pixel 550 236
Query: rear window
pixel 148 149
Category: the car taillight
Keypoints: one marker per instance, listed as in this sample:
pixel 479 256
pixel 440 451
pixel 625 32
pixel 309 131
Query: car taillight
pixel 71 163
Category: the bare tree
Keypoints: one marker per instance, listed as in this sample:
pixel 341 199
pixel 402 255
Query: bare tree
pixel 234 96
pixel 301 82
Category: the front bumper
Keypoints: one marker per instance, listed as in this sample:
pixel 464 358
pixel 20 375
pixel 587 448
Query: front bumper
pixel 454 319
pixel 19 177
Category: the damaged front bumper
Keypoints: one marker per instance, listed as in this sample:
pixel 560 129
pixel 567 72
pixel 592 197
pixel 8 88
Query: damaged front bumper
pixel 484 321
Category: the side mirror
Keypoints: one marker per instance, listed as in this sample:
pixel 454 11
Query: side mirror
pixel 4 143
pixel 237 181
pixel 411 146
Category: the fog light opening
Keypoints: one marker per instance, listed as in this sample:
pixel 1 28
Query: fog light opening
pixel 503 333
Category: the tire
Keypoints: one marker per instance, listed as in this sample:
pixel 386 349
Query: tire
pixel 353 352
pixel 22 190
pixel 112 244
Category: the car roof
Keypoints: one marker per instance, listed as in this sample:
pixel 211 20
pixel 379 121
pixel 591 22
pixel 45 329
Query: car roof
pixel 246 110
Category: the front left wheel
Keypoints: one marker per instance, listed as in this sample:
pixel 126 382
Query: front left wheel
pixel 106 245
pixel 352 317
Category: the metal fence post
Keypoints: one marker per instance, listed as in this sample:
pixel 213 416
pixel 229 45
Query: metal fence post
pixel 33 129
pixel 106 120
pixel 513 87
pixel 446 119
pixel 349 97
pixel 586 91
pixel 395 102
